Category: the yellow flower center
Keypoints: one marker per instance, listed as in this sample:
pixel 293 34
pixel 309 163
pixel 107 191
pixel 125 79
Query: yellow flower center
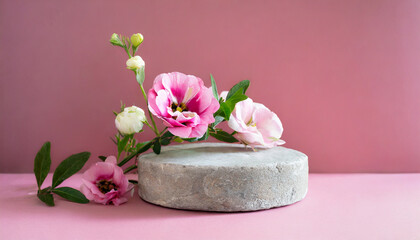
pixel 180 108
pixel 250 123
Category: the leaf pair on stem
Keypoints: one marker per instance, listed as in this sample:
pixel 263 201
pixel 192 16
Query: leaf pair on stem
pixel 66 169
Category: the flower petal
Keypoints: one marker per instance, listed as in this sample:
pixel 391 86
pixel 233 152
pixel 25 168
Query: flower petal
pixel 198 131
pixel 181 87
pixel 101 170
pixel 201 101
pixel 183 132
pixel 244 109
pixel 268 123
pixel 119 201
pixel 111 159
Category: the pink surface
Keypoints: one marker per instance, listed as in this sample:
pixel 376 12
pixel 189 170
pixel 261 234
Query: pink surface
pixel 338 206
pixel 342 75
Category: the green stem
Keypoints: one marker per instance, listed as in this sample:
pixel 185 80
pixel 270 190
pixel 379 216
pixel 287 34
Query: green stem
pixel 150 114
pixel 147 145
pixel 130 168
pixel 155 129
pixel 212 130
pixel 127 48
pixel 128 52
pixel 135 50
pixel 147 123
pixel 160 134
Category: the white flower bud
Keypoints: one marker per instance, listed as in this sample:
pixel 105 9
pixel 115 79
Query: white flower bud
pixel 135 63
pixel 130 121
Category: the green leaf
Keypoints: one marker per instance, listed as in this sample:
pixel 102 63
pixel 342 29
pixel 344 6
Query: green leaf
pixel 45 190
pixel 218 119
pixel 165 141
pixel 227 111
pixel 133 181
pixel 224 136
pixel 156 147
pixel 190 139
pixel 47 198
pixel 68 167
pixel 147 145
pixel 42 163
pixel 178 139
pixel 214 87
pixel 226 108
pixel 71 194
pixel 237 97
pixel 241 86
pixel 167 134
pixel 220 112
pixel 102 158
pixel 166 138
pixel 140 76
pixel 205 136
pixel 122 144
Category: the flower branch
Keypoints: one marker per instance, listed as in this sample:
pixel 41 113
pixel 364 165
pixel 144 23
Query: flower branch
pixel 189 110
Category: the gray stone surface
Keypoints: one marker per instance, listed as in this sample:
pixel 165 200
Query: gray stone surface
pixel 223 177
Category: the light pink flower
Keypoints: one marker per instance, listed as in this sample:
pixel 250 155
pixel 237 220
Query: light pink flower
pixel 184 104
pixel 105 183
pixel 256 125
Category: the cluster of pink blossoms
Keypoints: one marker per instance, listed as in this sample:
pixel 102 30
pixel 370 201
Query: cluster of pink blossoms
pixel 186 107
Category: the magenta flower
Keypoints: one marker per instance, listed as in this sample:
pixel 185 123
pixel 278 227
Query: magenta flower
pixel 256 125
pixel 105 183
pixel 184 104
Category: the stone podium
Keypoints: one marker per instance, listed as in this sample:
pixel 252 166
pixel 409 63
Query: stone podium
pixel 223 177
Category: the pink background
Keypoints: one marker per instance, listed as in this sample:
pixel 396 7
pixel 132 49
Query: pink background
pixel 343 76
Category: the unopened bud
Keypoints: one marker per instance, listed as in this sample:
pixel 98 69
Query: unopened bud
pixel 115 40
pixel 136 39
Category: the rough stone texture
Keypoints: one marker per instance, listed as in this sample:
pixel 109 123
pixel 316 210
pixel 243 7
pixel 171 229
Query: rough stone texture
pixel 223 177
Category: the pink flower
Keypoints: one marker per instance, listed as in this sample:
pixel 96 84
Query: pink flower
pixel 256 125
pixel 105 183
pixel 184 104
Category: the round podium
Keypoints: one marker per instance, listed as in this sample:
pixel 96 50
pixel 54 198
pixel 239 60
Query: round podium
pixel 223 177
